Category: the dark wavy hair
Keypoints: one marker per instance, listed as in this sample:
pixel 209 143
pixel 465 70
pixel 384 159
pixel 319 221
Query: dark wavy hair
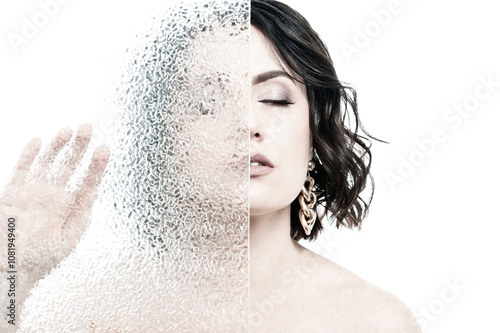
pixel 342 156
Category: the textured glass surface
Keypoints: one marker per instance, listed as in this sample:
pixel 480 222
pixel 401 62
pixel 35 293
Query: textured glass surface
pixel 167 246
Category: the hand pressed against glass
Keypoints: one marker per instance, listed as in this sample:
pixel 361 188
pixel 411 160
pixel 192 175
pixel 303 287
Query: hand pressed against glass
pixel 51 215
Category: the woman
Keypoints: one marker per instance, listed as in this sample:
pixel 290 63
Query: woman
pixel 293 83
pixel 279 267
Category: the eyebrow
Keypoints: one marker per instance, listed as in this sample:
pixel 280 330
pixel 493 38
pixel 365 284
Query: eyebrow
pixel 262 77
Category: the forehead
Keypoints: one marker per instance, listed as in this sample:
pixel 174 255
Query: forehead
pixel 216 74
pixel 220 52
pixel 262 58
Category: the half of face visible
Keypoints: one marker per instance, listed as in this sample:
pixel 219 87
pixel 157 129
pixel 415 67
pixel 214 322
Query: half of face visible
pixel 279 129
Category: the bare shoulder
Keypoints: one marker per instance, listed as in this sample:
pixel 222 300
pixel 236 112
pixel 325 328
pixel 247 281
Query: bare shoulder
pixel 355 304
pixel 383 311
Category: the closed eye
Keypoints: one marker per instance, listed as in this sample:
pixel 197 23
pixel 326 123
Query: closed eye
pixel 276 102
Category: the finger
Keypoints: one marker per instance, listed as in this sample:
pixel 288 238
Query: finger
pixel 25 161
pixel 77 217
pixel 86 194
pixel 58 143
pixel 77 149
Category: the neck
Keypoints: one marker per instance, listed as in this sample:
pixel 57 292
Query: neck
pixel 272 250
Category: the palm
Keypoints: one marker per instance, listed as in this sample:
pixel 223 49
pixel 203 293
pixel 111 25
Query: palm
pixel 50 198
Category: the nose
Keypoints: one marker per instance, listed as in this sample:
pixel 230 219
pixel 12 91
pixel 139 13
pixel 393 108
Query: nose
pixel 256 129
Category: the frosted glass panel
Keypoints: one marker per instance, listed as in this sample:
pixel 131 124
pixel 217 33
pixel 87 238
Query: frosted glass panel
pixel 167 245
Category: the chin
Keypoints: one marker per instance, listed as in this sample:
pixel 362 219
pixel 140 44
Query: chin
pixel 260 206
pixel 265 205
pixel 258 209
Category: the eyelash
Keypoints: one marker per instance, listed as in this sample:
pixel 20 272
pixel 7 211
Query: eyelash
pixel 276 102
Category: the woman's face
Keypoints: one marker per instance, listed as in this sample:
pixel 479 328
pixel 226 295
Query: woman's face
pixel 214 136
pixel 279 130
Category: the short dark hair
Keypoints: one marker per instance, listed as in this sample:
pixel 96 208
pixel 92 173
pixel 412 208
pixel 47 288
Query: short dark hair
pixel 342 156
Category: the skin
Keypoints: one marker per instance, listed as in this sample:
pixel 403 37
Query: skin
pixel 291 288
pixel 50 218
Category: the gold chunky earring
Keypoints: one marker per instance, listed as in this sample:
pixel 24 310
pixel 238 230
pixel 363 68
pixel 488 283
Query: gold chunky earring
pixel 307 201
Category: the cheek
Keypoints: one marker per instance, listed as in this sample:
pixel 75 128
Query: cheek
pixel 216 156
pixel 296 150
pixel 290 144
pixel 295 142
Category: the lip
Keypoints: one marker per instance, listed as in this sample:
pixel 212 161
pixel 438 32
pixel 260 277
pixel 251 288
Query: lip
pixel 260 170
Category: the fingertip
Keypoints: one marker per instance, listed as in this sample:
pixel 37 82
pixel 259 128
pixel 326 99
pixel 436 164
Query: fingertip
pixel 102 149
pixel 102 153
pixel 85 130
pixel 33 146
pixel 65 133
pixel 29 153
pixel 35 142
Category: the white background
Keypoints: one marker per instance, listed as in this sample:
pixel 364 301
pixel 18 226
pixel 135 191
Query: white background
pixel 436 226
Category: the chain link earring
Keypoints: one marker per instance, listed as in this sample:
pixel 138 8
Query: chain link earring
pixel 307 201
